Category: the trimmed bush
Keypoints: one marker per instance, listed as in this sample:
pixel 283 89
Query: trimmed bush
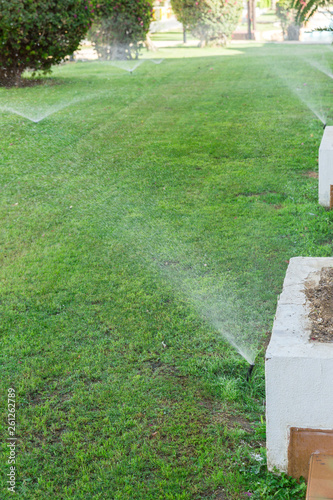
pixel 288 18
pixel 120 27
pixel 212 21
pixel 36 34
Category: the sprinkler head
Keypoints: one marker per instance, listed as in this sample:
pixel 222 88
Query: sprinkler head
pixel 249 373
pixel 324 126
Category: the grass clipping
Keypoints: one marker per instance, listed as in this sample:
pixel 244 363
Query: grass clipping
pixel 320 298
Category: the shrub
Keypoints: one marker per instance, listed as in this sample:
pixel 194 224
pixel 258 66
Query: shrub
pixel 120 27
pixel 288 18
pixel 305 9
pixel 212 21
pixel 264 4
pixel 36 34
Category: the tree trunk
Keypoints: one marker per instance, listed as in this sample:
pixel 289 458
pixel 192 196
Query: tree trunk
pixel 293 32
pixel 149 44
pixel 10 77
pixel 249 17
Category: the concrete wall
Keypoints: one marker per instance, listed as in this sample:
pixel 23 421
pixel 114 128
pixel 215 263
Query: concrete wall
pixel 326 167
pixel 299 373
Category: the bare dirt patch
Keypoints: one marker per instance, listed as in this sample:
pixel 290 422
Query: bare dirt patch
pixel 311 173
pixel 320 298
pixel 33 82
pixel 219 494
pixel 222 414
pixel 232 420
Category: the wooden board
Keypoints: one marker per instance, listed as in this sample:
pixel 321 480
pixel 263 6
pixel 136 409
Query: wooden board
pixel 320 484
pixel 304 442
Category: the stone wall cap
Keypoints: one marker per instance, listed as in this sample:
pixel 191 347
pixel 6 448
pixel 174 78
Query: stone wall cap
pixel 327 140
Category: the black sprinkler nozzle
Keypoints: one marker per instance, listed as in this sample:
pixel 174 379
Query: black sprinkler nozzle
pixel 249 373
pixel 324 126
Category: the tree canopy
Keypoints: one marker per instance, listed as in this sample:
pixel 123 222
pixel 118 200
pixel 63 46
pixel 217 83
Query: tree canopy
pixel 212 21
pixel 306 8
pixel 120 26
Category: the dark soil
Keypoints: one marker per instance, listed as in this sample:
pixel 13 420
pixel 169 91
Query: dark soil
pixel 311 173
pixel 320 299
pixel 32 82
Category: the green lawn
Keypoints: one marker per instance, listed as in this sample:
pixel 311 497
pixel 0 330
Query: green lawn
pixel 176 35
pixel 267 21
pixel 147 219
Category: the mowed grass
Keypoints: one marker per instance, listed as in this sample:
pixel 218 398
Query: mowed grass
pixel 200 168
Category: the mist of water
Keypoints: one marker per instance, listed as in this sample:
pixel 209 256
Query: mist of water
pixel 322 62
pixel 318 112
pixel 211 294
pixel 192 276
pixel 214 298
pixel 318 65
pixel 156 61
pixel 38 111
pixel 303 84
pixel 129 66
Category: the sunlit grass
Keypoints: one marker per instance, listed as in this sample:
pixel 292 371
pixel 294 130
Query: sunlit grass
pixel 122 215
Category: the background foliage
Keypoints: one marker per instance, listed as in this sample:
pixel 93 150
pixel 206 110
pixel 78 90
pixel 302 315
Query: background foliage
pixel 120 27
pixel 306 9
pixel 37 34
pixel 212 21
pixel 288 17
